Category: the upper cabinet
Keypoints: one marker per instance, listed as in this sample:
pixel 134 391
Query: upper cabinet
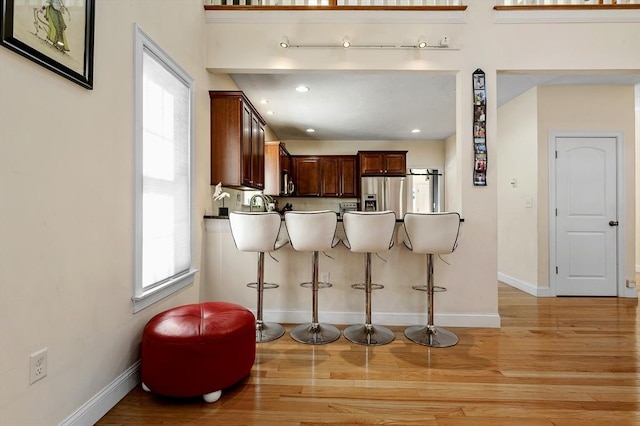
pixel 237 141
pixel 307 176
pixel 382 163
pixel 277 168
pixel 325 176
pixel 339 176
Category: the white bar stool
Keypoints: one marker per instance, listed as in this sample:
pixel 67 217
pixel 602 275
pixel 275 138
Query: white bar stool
pixel 368 232
pixel 258 232
pixel 430 234
pixel 313 232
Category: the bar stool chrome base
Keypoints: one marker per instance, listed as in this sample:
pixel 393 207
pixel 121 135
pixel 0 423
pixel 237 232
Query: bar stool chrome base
pixel 315 334
pixel 268 331
pixel 430 335
pixel 369 335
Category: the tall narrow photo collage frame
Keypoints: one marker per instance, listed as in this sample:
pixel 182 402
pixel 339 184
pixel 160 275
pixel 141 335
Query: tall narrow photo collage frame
pixel 479 129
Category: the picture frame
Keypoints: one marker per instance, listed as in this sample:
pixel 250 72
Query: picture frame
pixel 479 128
pixel 57 34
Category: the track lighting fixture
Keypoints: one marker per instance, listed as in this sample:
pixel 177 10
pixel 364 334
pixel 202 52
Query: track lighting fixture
pixel 346 43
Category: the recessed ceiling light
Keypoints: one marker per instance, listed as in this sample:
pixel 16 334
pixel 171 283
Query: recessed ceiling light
pixel 416 131
pixel 302 89
pixel 264 101
pixel 270 112
pixel 346 42
pixel 311 130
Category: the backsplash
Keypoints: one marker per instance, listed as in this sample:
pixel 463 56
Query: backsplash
pixel 239 201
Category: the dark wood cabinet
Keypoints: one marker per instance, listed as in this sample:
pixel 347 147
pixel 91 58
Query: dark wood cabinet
pixel 307 174
pixel 237 141
pixel 277 168
pixel 382 163
pixel 325 176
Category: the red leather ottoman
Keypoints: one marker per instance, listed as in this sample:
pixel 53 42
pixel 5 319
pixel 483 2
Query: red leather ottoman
pixel 198 349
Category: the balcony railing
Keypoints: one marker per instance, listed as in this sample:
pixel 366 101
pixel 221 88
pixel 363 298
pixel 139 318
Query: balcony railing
pixel 571 3
pixel 336 4
pixel 414 4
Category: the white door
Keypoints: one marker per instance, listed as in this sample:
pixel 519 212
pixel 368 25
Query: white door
pixel 586 216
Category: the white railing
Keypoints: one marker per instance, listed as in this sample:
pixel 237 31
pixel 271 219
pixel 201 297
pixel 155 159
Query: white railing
pixel 416 3
pixel 564 2
pixel 364 3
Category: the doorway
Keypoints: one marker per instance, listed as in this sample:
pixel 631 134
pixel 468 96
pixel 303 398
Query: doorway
pixel 585 206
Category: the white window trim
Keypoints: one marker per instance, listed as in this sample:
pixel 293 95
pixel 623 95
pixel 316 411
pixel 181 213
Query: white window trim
pixel 142 299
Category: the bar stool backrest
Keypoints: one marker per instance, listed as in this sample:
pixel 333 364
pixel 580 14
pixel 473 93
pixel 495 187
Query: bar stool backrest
pixel 255 231
pixel 369 232
pixel 312 230
pixel 431 233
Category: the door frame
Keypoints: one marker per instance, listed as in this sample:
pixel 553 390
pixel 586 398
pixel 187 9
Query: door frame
pixel 620 204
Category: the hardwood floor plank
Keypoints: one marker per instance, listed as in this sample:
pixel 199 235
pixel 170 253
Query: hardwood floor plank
pixel 555 361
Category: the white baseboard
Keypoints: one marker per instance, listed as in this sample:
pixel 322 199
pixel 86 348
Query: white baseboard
pixel 488 320
pixel 524 286
pixel 96 407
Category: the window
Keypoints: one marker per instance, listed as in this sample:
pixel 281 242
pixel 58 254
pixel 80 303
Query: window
pixel 163 174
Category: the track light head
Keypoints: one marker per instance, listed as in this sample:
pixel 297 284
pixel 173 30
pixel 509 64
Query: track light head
pixel 422 43
pixel 284 43
pixel 346 42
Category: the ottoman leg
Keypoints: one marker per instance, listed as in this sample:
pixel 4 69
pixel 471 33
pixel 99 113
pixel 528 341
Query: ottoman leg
pixel 212 396
pixel 145 388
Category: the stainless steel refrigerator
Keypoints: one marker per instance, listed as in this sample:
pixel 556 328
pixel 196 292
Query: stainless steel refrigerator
pixel 382 193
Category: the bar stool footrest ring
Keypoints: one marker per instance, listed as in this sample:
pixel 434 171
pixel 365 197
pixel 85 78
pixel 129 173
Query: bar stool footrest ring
pixel 266 286
pixel 362 286
pixel 320 285
pixel 436 288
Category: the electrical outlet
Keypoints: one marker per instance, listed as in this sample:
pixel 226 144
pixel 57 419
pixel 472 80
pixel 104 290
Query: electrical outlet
pixel 324 277
pixel 37 365
pixel 238 200
pixel 631 284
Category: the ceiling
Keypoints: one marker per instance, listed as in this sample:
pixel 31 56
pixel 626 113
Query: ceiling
pixel 383 105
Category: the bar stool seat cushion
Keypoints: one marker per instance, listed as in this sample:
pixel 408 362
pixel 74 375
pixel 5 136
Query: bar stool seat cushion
pixel 198 349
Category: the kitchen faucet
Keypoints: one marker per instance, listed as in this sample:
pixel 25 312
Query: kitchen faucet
pixel 266 200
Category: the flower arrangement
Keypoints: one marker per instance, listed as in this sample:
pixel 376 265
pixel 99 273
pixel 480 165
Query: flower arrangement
pixel 218 195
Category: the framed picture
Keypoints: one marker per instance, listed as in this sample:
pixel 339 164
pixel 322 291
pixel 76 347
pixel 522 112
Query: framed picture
pixel 479 129
pixel 57 34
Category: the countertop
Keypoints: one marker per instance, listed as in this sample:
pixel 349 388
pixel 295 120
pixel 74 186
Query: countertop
pixel 400 220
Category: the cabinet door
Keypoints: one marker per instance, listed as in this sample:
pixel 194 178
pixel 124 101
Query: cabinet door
pixel 330 177
pixel 348 177
pixel 307 176
pixel 245 146
pixel 396 164
pixel 272 161
pixel 372 163
pixel 257 153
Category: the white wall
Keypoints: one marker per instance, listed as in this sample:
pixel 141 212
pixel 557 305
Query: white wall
pixel 517 184
pixel 637 170
pixel 66 211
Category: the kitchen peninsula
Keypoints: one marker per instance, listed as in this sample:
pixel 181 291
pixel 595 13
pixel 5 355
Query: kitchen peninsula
pixel 229 270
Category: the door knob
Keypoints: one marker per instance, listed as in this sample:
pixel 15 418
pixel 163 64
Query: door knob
pixel 613 223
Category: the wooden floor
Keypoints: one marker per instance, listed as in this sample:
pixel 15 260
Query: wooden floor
pixel 555 361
